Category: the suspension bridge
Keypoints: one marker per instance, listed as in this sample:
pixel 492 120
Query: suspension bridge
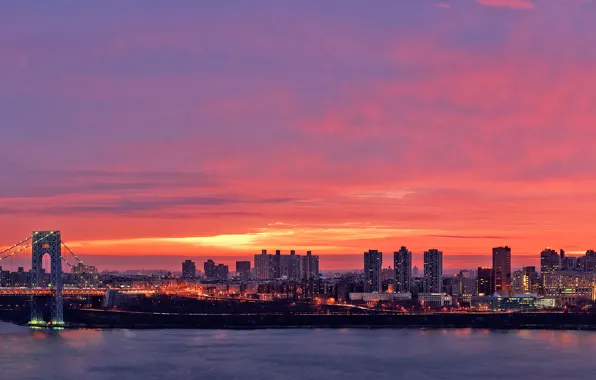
pixel 36 285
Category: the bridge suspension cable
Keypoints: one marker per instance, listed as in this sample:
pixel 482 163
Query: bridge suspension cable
pixel 72 267
pixel 94 275
pixel 72 253
pixel 24 247
pixel 15 245
pixel 66 261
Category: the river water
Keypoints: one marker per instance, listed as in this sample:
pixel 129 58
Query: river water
pixel 294 354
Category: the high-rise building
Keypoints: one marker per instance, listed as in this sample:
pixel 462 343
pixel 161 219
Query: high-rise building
pixel 502 270
pixel 485 283
pixel 448 285
pixel 415 271
pixel 589 262
pixel 4 277
pixel 21 278
pixel 525 281
pixel 262 266
pixel 517 282
pixel 294 266
pixel 243 270
pixel 310 266
pixel 81 268
pixel 433 271
pixel 284 267
pixel 530 280
pixel 402 265
pixel 275 270
pixel 314 264
pixel 221 272
pixel 550 261
pixel 189 269
pixel 373 262
pixel 464 284
pixel 570 263
pixel 209 268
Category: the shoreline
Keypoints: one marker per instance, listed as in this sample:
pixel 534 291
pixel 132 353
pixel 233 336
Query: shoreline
pixel 313 327
pixel 69 326
pixel 101 319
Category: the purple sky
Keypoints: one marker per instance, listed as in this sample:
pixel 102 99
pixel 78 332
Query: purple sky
pixel 220 128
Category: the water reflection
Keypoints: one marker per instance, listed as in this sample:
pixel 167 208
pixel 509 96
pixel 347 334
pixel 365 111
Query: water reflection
pixel 81 338
pixel 293 354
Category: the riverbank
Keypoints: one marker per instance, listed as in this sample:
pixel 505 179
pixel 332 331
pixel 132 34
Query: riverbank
pixel 136 320
pixel 140 320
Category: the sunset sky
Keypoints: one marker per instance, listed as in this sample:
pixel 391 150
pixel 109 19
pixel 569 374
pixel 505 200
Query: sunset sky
pixel 221 128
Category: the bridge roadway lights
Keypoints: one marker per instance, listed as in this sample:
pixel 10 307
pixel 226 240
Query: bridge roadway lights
pixel 46 243
pixel 40 292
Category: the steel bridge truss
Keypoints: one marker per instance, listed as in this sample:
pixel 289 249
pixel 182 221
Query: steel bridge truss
pixel 47 243
pixel 51 244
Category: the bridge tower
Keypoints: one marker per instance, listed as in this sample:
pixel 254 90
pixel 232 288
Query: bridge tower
pixel 47 242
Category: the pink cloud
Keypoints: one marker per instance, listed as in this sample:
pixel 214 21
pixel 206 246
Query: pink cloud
pixel 513 4
pixel 488 142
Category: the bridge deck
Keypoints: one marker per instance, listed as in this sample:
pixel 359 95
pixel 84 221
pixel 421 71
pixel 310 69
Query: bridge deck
pixel 66 292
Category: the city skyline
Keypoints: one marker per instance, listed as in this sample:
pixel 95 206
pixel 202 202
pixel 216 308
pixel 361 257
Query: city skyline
pixel 341 262
pixel 210 130
pixel 312 189
pixel 563 281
